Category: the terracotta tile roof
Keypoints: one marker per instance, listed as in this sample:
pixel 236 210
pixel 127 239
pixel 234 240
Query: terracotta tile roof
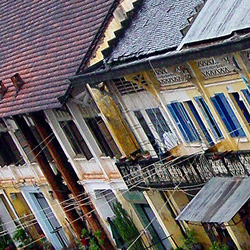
pixel 44 41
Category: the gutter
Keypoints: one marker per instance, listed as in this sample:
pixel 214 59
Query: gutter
pixel 233 44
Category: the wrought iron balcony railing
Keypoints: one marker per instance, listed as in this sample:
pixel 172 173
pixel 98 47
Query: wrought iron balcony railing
pixel 185 170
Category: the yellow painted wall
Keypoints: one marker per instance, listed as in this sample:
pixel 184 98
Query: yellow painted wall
pixel 178 200
pixel 24 213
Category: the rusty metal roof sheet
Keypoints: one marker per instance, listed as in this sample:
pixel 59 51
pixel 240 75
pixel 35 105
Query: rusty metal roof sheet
pixel 219 18
pixel 218 201
pixel 44 41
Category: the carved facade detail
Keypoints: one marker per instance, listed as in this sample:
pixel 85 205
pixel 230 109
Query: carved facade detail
pixel 174 75
pixel 212 67
pixel 245 55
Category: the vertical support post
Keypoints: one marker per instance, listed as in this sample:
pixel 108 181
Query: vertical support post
pixel 70 177
pixel 198 81
pixel 114 121
pixel 53 180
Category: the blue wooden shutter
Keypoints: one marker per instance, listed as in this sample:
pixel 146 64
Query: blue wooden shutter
pixel 209 117
pixel 191 129
pixel 183 122
pixel 231 118
pixel 227 115
pixel 178 122
pixel 221 114
pixel 246 94
pixel 200 122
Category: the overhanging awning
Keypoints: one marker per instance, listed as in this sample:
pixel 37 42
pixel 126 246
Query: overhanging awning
pixel 218 201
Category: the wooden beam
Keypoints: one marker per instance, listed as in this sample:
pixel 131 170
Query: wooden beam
pixel 52 179
pixel 69 176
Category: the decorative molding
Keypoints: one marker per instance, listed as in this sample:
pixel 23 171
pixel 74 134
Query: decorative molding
pixel 245 55
pixel 213 67
pixel 174 75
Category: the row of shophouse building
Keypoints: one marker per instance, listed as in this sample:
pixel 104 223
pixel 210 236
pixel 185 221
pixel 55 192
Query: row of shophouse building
pixel 145 103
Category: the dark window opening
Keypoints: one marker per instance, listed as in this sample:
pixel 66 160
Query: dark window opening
pixel 148 132
pixel 102 136
pixel 41 143
pixel 242 107
pixel 158 121
pixel 76 141
pixel 9 153
pixel 24 145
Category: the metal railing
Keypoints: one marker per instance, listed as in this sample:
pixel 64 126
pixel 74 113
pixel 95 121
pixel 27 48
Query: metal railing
pixel 185 170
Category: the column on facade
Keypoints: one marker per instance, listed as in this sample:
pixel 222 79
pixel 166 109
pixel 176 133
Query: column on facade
pixel 198 81
pixel 238 232
pixel 52 179
pixel 165 217
pixel 115 122
pixel 177 201
pixel 70 178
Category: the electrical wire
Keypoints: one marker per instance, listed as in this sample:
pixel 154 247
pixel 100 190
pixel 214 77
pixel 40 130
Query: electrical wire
pixel 87 214
pixel 31 214
pixel 99 207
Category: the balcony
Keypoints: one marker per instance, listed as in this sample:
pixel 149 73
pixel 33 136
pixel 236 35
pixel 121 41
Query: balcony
pixel 184 171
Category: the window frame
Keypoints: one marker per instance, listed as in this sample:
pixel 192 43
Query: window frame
pixel 227 115
pixel 184 122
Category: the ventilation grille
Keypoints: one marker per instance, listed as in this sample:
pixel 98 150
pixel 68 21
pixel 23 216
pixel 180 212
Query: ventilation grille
pixel 125 87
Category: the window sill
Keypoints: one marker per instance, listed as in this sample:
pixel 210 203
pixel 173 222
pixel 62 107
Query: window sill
pixel 80 157
pixel 243 139
pixel 105 157
pixel 194 144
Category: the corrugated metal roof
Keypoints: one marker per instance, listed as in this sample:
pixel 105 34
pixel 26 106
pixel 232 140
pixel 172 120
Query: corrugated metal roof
pixel 218 201
pixel 219 18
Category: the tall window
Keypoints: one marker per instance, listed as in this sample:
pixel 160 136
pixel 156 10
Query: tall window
pixel 209 117
pixel 158 121
pixel 246 94
pixel 227 115
pixel 77 142
pixel 41 143
pixel 102 136
pixel 183 122
pixel 162 128
pixel 147 131
pixel 200 122
pixel 9 153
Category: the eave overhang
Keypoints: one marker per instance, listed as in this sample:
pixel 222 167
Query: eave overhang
pixel 232 44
